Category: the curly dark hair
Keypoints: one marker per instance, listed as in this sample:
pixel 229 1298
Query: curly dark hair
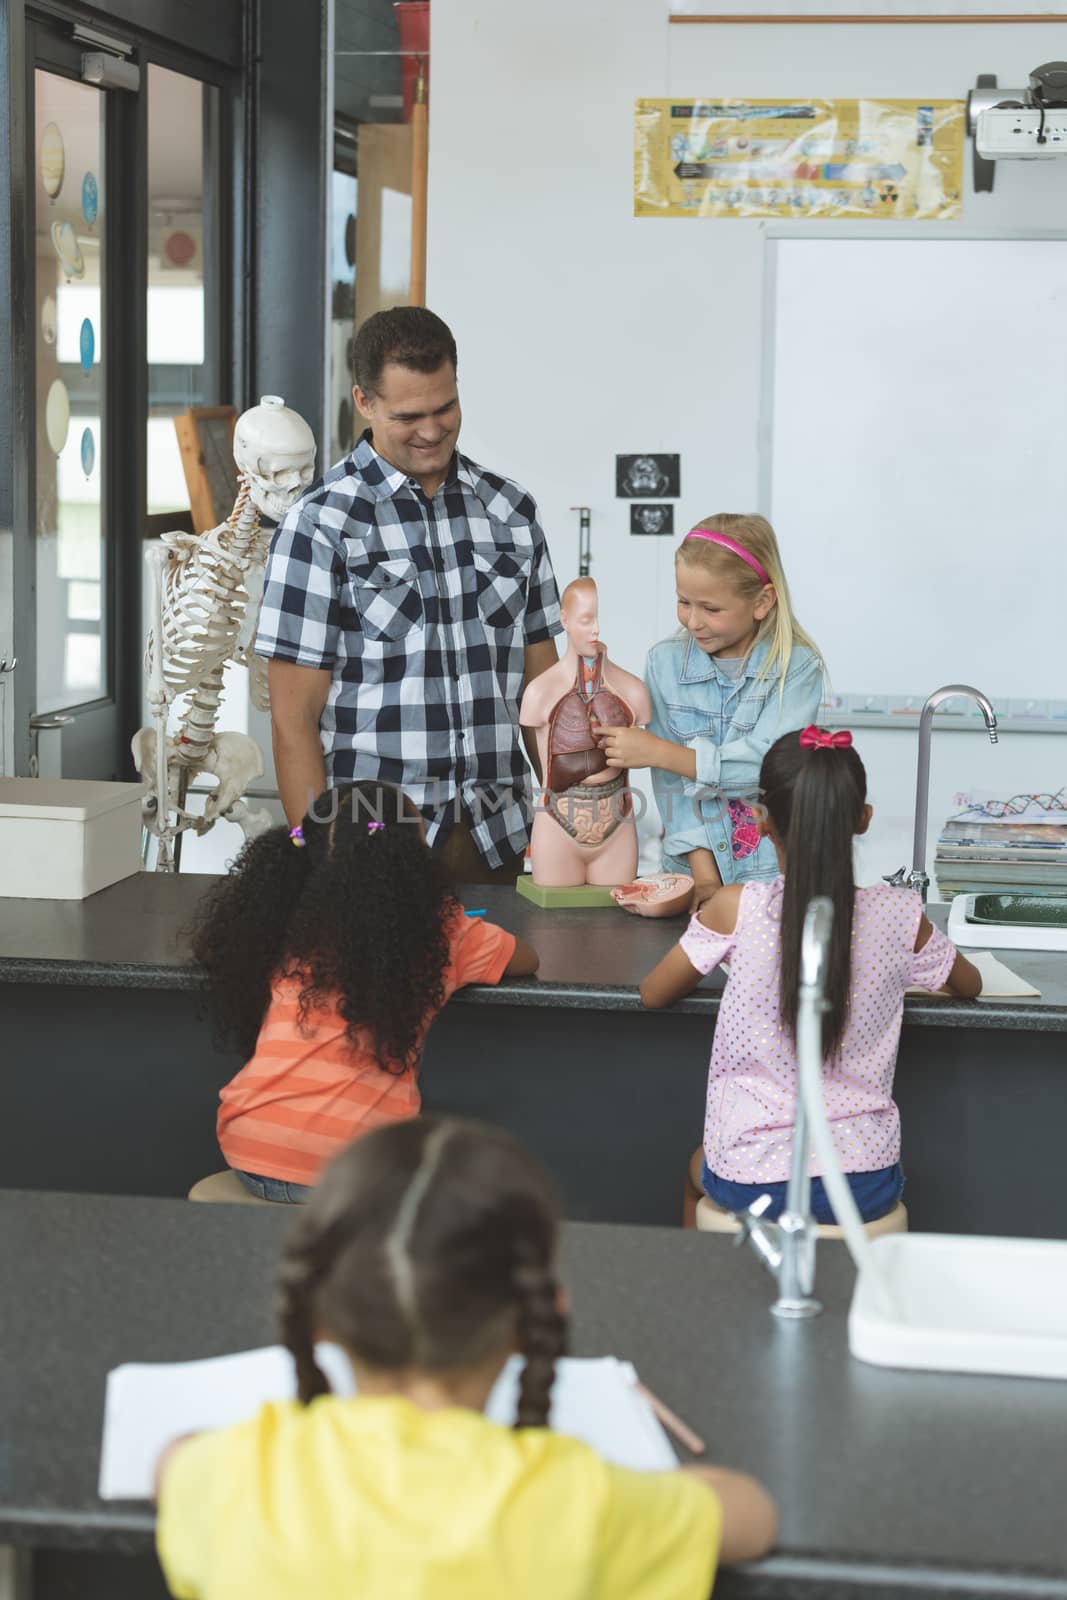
pixel 410 336
pixel 358 912
pixel 428 1244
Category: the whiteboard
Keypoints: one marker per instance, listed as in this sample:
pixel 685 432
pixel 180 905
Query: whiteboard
pixel 913 461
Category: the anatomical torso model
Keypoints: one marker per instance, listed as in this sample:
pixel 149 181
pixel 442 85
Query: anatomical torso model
pixel 583 829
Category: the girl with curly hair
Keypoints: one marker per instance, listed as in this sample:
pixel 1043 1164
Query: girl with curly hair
pixel 428 1253
pixel 328 951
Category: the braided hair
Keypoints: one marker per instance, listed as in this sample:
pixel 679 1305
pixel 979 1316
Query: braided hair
pixel 428 1244
pixel 355 905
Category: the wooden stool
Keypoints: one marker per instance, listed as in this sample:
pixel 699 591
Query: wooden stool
pixel 712 1219
pixel 225 1188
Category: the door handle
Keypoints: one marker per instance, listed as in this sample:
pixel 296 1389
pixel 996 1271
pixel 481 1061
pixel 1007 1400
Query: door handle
pixel 7 666
pixel 48 722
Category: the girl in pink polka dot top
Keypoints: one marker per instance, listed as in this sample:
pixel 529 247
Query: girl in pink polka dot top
pixel 813 790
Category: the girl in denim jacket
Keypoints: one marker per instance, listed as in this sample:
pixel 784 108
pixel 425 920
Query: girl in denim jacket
pixel 740 674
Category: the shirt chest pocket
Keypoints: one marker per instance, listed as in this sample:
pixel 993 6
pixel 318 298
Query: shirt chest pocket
pixel 501 576
pixel 385 593
pixel 689 722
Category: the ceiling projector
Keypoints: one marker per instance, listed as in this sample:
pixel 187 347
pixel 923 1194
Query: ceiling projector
pixel 1024 124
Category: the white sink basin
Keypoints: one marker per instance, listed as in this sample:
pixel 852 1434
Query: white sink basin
pixel 957 1303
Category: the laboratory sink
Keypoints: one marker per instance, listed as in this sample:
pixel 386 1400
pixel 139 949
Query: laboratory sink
pixel 1009 921
pixel 959 1303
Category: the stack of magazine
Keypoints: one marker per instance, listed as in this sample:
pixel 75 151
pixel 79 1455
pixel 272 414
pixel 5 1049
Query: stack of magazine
pixel 1004 845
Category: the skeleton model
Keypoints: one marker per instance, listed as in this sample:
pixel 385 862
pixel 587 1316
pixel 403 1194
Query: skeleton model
pixel 201 619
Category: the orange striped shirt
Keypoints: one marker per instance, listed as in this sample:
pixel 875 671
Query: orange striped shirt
pixel 308 1090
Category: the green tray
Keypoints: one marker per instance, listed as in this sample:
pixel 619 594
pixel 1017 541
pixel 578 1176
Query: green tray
pixel 1019 910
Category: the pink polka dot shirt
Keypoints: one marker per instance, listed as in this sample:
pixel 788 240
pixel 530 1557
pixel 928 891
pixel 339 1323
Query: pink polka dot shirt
pixel 752 1083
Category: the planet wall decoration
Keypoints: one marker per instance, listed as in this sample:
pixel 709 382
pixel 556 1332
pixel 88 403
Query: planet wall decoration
pixel 88 451
pixel 48 320
pixel 67 248
pixel 87 345
pixel 57 415
pixel 90 198
pixel 53 159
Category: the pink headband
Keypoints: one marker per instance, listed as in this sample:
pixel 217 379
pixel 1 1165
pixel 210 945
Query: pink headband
pixel 732 545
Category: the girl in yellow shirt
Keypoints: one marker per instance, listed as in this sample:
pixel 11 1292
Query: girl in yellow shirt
pixel 428 1253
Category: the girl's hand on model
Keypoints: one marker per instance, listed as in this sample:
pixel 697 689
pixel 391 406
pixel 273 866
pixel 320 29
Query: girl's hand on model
pixel 628 747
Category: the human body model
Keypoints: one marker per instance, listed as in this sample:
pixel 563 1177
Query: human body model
pixel 429 1255
pixel 814 795
pixel 584 832
pixel 200 622
pixel 328 951
pixel 741 673
pixel 667 894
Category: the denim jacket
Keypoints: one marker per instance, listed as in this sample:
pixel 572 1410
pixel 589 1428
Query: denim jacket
pixel 730 724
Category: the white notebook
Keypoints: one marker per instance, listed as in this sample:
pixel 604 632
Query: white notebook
pixel 146 1406
pixel 998 981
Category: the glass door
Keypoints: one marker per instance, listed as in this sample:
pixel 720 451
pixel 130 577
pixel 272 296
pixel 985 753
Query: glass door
pixel 70 266
pixel 79 268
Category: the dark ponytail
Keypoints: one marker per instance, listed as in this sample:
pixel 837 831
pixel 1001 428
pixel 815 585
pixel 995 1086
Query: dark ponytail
pixel 428 1244
pixel 815 800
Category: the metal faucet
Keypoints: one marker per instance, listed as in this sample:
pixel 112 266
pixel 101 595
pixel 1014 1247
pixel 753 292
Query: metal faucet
pixel 918 878
pixel 787 1247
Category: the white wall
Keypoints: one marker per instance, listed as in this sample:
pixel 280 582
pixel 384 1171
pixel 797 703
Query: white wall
pixel 583 332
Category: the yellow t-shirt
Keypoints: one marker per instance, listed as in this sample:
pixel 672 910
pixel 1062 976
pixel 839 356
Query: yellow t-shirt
pixel 377 1499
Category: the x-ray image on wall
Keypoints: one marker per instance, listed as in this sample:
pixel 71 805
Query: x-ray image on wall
pixel 648 477
pixel 652 519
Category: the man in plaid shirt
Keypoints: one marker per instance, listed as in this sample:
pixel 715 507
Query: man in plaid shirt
pixel 408 599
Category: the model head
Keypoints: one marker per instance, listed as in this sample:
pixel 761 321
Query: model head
pixel 353 903
pixel 580 614
pixel 732 591
pixel 428 1247
pixel 404 370
pixel 813 790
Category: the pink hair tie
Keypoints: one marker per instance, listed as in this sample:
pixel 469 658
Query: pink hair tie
pixel 813 738
pixel 296 836
pixel 375 827
pixel 733 546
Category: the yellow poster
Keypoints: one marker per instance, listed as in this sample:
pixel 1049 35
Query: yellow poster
pixel 901 159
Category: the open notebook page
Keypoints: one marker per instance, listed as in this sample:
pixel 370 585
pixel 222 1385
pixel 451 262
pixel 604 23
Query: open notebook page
pixel 146 1406
pixel 998 981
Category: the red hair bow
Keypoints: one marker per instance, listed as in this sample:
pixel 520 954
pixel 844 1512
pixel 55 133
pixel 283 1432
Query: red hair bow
pixel 814 738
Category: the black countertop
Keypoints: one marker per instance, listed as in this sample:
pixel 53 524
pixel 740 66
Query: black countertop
pixel 889 1483
pixel 129 937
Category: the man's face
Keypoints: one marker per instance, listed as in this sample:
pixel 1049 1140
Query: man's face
pixel 414 419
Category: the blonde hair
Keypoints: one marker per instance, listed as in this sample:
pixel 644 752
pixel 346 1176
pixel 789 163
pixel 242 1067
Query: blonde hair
pixel 779 628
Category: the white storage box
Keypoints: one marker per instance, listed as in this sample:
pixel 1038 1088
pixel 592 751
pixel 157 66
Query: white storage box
pixel 65 838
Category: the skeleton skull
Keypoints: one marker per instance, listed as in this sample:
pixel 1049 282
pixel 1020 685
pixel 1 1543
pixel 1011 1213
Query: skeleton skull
pixel 275 450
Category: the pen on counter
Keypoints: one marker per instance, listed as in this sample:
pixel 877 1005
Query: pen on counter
pixel 672 1422
pixel 480 913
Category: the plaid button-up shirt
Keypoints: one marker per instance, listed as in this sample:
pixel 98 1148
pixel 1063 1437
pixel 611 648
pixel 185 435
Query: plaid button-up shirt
pixel 422 610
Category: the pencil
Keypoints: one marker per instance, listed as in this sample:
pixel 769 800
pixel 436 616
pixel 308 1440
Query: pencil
pixel 673 1423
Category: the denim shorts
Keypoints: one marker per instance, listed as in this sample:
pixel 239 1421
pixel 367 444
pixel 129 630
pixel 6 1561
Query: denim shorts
pixel 875 1193
pixel 275 1189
